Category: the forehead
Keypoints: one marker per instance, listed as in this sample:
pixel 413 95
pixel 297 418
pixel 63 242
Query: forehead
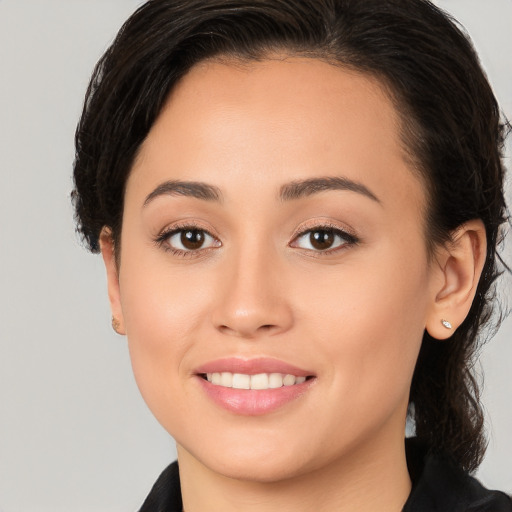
pixel 276 93
pixel 276 120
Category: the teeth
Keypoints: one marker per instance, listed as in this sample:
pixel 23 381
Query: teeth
pixel 289 380
pixel 275 380
pixel 226 379
pixel 258 381
pixel 241 381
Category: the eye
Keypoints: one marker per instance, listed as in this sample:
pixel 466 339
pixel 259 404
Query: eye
pixel 188 239
pixel 323 239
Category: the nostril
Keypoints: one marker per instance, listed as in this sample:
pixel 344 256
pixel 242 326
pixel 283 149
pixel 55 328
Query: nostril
pixel 225 329
pixel 247 332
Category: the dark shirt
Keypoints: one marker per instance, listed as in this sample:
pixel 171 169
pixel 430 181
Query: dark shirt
pixel 438 485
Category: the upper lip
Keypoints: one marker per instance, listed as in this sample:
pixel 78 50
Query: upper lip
pixel 252 366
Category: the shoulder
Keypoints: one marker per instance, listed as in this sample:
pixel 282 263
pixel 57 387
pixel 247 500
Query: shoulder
pixel 165 495
pixel 440 486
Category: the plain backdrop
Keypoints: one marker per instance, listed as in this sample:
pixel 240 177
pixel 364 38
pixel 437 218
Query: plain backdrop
pixel 74 433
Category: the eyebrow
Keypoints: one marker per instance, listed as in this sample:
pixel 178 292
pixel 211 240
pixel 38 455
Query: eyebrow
pixel 288 192
pixel 185 188
pixel 308 187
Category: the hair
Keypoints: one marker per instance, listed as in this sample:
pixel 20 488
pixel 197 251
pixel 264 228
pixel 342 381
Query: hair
pixel 451 131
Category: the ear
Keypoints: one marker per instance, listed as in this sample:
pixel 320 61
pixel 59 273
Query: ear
pixel 460 265
pixel 109 258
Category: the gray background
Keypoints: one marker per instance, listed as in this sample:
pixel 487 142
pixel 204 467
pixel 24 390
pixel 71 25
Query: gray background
pixel 74 433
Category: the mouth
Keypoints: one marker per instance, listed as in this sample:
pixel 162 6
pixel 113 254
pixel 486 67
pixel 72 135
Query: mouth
pixel 259 381
pixel 253 386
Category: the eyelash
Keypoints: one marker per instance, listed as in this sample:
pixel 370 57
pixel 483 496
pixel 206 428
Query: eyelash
pixel 162 239
pixel 349 239
pixel 164 236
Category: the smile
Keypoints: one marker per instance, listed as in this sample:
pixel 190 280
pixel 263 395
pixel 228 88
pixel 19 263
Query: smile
pixel 260 381
pixel 255 386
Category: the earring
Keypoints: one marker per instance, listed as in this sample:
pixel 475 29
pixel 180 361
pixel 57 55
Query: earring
pixel 446 324
pixel 116 325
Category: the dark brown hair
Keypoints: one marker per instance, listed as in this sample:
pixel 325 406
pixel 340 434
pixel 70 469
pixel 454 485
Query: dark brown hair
pixel 450 127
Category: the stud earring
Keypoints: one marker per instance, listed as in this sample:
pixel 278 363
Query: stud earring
pixel 446 324
pixel 116 325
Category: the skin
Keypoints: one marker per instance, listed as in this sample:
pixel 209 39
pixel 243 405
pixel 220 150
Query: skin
pixel 354 316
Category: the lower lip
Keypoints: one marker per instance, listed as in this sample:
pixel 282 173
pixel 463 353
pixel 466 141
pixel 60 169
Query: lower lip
pixel 253 402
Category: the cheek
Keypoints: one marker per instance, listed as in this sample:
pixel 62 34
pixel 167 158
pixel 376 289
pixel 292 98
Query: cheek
pixel 368 320
pixel 164 316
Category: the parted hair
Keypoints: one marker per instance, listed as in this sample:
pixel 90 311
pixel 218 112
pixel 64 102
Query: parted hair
pixel 450 129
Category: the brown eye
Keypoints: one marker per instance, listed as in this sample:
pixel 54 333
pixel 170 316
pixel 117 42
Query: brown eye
pixel 323 239
pixel 192 239
pixel 189 239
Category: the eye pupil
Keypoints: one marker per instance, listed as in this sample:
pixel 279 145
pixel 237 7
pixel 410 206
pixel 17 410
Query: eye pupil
pixel 192 239
pixel 321 239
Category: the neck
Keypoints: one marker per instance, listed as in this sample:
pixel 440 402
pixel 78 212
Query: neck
pixel 374 478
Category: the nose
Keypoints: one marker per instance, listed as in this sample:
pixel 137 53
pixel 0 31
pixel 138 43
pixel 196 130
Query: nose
pixel 253 298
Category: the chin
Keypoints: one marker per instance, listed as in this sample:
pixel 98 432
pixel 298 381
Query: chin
pixel 260 470
pixel 256 461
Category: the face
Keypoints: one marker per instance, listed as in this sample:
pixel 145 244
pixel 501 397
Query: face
pixel 273 238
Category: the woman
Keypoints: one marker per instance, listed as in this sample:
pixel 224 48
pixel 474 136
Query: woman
pixel 298 206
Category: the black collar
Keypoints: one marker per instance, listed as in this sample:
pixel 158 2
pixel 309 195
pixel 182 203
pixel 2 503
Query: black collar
pixel 438 486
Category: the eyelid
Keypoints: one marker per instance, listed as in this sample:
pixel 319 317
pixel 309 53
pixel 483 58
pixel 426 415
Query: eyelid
pixel 183 225
pixel 324 224
pixel 348 235
pixel 176 228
